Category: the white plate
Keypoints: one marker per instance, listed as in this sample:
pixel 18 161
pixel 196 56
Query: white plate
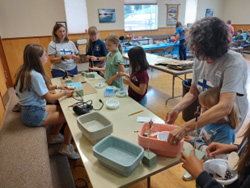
pixel 100 85
pixel 112 104
pixel 207 167
pixel 121 93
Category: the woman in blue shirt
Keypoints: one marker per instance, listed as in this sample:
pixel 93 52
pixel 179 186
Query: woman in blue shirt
pixel 180 32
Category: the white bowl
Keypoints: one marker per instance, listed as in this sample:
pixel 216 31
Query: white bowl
pixel 212 165
pixel 112 104
pixel 121 93
pixel 100 85
pixel 163 135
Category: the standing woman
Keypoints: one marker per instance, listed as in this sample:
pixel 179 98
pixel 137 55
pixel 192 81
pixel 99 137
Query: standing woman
pixel 180 32
pixel 62 53
pixel 231 30
pixel 97 50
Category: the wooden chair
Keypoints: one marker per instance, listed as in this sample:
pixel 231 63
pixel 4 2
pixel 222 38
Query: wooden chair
pixel 169 50
pixel 82 47
pixel 158 51
pixel 148 51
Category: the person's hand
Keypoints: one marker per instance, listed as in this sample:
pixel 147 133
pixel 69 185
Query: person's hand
pixel 193 165
pixel 93 68
pixel 67 56
pixel 126 81
pixel 176 135
pixel 188 138
pixel 215 148
pixel 120 74
pixel 171 116
pixel 69 93
pixel 93 58
pixel 73 56
pixel 63 87
pixel 88 56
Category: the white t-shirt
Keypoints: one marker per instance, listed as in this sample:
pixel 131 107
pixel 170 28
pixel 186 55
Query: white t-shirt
pixel 228 72
pixel 34 96
pixel 60 49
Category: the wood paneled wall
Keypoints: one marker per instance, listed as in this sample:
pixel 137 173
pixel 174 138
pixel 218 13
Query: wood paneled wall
pixel 245 27
pixel 14 46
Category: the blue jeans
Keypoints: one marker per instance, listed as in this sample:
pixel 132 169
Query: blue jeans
pixel 182 50
pixel 33 116
pixel 144 101
pixel 58 73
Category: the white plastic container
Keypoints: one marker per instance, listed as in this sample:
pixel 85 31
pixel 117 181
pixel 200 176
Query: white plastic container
pixel 94 126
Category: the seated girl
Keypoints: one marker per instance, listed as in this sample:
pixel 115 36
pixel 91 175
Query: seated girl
pixel 33 89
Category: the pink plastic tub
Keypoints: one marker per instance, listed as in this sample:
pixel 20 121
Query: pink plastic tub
pixel 159 147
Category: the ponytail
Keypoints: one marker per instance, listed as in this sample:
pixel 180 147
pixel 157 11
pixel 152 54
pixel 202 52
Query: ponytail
pixel 234 117
pixel 120 48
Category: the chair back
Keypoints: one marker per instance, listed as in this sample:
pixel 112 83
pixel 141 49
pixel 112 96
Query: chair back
pixel 158 51
pixel 169 49
pixel 148 51
pixel 82 45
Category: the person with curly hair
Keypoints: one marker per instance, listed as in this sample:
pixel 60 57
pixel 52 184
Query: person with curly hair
pixel 214 66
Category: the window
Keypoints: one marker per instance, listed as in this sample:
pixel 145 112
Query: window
pixel 140 17
pixel 191 11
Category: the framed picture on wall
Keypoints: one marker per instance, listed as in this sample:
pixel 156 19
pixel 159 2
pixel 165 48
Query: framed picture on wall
pixel 106 15
pixel 172 14
pixel 209 12
pixel 63 23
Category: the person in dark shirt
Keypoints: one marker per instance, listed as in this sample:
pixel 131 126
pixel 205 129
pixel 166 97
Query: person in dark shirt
pixel 97 50
pixel 138 79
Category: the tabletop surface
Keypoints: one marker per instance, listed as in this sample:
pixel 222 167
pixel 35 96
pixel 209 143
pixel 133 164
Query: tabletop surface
pixel 124 126
pixel 155 59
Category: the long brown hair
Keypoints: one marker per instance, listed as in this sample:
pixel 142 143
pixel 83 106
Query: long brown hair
pixel 137 59
pixel 115 39
pixel 55 37
pixel 31 61
pixel 211 97
pixel 91 31
pixel 245 158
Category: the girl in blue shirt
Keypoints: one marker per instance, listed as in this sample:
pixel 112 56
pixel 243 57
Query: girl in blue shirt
pixel 33 89
pixel 221 131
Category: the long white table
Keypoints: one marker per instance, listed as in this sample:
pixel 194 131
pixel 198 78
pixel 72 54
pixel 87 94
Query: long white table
pixel 124 126
pixel 155 59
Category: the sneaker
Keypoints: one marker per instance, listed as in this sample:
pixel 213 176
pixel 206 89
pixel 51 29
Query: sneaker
pixel 68 151
pixel 71 147
pixel 56 138
pixel 17 108
pixel 187 177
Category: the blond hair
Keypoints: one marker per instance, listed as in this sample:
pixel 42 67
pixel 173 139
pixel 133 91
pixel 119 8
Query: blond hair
pixel 114 39
pixel 91 31
pixel 211 97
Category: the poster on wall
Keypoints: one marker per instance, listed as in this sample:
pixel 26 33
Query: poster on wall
pixel 106 15
pixel 172 14
pixel 209 12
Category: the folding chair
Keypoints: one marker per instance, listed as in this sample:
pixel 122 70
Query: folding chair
pixel 169 50
pixel 148 51
pixel 158 51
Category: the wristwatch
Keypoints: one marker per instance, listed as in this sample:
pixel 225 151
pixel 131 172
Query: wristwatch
pixel 62 58
pixel 98 59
